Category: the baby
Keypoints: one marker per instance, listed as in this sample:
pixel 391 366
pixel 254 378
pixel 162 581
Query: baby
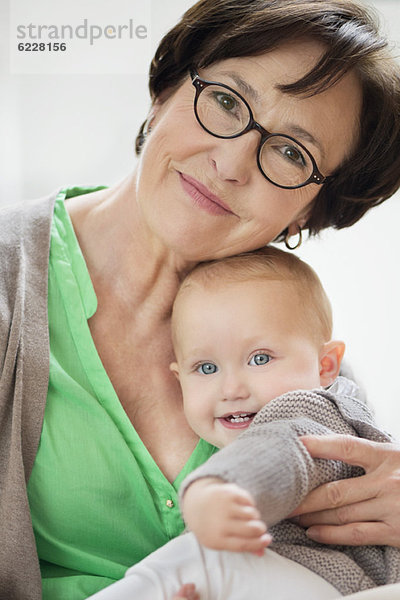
pixel 258 369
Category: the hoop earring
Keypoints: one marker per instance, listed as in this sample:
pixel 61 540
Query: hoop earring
pixel 287 237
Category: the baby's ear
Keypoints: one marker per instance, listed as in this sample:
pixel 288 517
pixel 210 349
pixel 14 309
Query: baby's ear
pixel 175 369
pixel 329 363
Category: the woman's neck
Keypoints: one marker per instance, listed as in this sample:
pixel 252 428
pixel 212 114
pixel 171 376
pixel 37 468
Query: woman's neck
pixel 124 259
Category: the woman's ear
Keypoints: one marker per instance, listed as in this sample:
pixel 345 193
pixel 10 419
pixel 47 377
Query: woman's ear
pixel 329 362
pixel 175 369
pixel 300 221
pixel 293 229
pixel 155 107
pixel 149 121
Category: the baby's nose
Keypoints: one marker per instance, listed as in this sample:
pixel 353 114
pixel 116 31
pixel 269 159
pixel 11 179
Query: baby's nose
pixel 235 388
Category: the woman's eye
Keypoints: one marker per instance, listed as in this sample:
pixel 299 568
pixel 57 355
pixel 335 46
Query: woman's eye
pixel 207 368
pixel 261 358
pixel 293 154
pixel 226 101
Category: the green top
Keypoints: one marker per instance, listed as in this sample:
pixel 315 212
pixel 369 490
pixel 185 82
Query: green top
pixel 99 502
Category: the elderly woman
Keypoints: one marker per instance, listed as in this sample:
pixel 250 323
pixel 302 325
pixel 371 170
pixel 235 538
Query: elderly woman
pixel 268 118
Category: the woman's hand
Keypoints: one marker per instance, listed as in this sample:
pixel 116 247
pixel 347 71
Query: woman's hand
pixel 223 516
pixel 363 510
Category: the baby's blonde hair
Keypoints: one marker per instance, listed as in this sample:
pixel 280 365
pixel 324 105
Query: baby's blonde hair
pixel 268 264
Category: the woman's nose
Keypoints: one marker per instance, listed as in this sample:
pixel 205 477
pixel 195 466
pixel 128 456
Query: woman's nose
pixel 236 158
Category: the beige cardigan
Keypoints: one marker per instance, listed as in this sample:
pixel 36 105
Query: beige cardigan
pixel 24 371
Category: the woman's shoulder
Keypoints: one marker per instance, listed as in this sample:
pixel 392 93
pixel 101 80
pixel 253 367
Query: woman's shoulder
pixel 25 229
pixel 20 219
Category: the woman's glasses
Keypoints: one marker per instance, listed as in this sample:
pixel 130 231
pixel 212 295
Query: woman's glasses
pixel 224 113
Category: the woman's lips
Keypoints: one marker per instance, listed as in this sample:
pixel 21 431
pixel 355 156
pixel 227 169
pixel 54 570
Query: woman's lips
pixel 203 197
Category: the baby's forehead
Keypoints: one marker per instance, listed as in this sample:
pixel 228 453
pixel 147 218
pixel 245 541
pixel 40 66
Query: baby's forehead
pixel 199 295
pixel 273 273
pixel 200 292
pixel 201 285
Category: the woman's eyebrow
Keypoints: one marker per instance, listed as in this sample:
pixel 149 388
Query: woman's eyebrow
pixel 243 86
pixel 298 132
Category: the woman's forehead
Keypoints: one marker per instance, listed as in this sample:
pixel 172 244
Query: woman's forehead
pixel 285 64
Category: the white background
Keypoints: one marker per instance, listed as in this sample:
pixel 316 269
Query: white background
pixel 80 129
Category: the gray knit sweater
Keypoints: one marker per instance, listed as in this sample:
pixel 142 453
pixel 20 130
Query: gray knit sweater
pixel 271 462
pixel 24 370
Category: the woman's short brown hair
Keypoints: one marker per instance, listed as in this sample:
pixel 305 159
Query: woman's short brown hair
pixel 214 30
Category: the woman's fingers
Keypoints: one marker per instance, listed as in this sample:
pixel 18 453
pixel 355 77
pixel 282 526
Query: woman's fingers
pixel 368 511
pixel 380 461
pixel 354 534
pixel 339 493
pixel 361 510
pixel 347 448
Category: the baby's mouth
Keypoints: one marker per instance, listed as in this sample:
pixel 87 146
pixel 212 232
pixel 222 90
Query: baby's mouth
pixel 241 418
pixel 237 420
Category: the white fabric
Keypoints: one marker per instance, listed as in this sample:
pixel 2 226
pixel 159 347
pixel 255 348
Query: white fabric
pixel 383 592
pixel 218 576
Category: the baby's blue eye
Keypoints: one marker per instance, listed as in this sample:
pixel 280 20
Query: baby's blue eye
pixel 261 358
pixel 207 368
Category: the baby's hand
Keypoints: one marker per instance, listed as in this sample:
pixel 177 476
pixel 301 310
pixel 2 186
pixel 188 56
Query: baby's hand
pixel 223 516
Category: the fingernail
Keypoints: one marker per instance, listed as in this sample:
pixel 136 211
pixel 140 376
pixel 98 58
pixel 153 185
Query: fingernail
pixel 266 539
pixel 313 534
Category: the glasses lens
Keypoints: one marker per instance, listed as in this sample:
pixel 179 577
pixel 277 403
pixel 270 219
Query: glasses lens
pixel 284 162
pixel 221 111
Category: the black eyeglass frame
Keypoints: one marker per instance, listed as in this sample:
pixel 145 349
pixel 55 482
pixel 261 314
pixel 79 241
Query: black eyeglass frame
pixel 201 84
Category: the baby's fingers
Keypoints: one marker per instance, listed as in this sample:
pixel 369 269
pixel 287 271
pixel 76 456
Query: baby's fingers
pixel 245 513
pixel 247 536
pixel 256 545
pixel 247 529
pixel 238 495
